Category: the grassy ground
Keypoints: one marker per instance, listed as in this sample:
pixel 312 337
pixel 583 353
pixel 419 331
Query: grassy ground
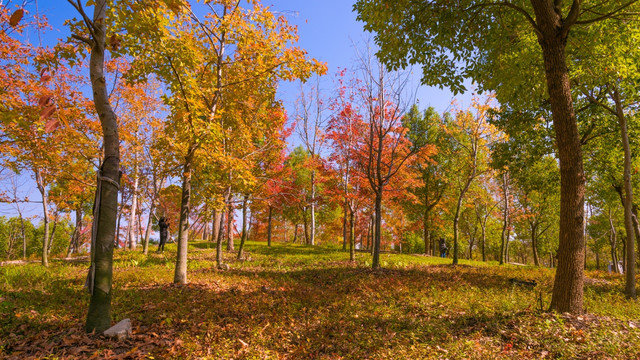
pixel 296 302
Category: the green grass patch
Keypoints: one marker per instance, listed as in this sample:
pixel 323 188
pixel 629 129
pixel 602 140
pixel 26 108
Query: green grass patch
pixel 302 302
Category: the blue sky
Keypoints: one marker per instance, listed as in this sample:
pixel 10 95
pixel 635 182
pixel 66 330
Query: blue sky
pixel 327 29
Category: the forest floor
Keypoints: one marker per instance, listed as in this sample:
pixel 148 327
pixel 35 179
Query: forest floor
pixel 298 302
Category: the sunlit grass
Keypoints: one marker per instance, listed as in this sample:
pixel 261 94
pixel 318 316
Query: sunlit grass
pixel 294 301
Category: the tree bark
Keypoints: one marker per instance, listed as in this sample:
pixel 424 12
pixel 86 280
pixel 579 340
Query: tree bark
pixel 553 31
pixel 74 244
pixel 630 288
pixel 52 233
pixel 534 243
pixel 219 239
pixel 215 225
pixel 45 210
pixel 147 233
pixel 269 225
pixel 505 219
pixel 312 236
pixel 456 220
pixel 230 245
pixel 133 234
pixel 305 223
pixel 352 245
pixel 243 238
pixel 344 226
pixel 99 315
pixel 378 223
pixel 180 276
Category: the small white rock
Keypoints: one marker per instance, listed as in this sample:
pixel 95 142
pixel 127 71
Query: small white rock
pixel 121 330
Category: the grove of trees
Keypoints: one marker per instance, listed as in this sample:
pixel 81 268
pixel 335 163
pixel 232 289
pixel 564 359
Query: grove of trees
pixel 170 108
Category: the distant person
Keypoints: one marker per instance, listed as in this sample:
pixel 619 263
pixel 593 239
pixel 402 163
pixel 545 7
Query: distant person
pixel 443 248
pixel 163 224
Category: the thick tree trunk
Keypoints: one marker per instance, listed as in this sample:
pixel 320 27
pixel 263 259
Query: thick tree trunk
pixel 269 225
pixel 243 238
pixel 45 210
pixel 630 288
pixel 133 234
pixel 180 276
pixel 99 315
pixel 568 286
pixel 375 263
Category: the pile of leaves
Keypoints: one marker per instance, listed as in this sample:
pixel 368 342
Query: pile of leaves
pixel 296 302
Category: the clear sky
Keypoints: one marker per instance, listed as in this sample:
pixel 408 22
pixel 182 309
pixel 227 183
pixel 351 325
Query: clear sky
pixel 328 30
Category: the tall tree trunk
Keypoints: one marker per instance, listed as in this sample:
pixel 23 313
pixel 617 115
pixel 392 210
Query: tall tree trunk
pixel 23 234
pixel 456 220
pixel 219 239
pixel 534 243
pixel 215 225
pixel 119 215
pixel 630 288
pixel 344 226
pixel 45 211
pixel 269 225
pixel 99 315
pixel 230 244
pixel 613 242
pixel 372 237
pixel 312 236
pixel 426 233
pixel 375 263
pixel 507 257
pixel 133 234
pixel 221 230
pixel 305 223
pixel 180 276
pixel 147 233
pixel 52 233
pixel 295 233
pixel 505 220
pixel 74 244
pixel 243 238
pixel 352 245
pixel 568 286
pixel 484 237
